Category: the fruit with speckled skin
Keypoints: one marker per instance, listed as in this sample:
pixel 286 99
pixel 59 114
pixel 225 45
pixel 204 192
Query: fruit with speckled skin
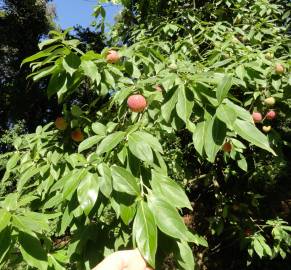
pixel 136 103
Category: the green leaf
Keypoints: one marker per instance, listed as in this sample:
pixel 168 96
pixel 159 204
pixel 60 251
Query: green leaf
pixel 241 112
pixel 99 128
pixel 110 142
pixel 223 88
pixel 32 251
pixel 226 114
pixel 72 183
pixel 109 78
pixel 139 147
pixel 53 201
pixel 124 181
pixel 165 187
pixel 44 72
pixel 57 82
pixel 145 232
pixel 198 136
pixel 31 221
pixel 5 240
pixel 105 180
pixel 88 192
pixel 91 71
pixel 198 240
pixel 89 142
pixel 127 212
pixel 242 163
pixel 167 218
pixel 150 140
pixel 27 175
pixel 10 202
pixel 39 55
pixel 169 105
pixel 240 72
pixel 67 217
pixel 249 132
pixel 5 219
pixel 184 105
pixel 12 162
pixel 54 263
pixel 215 136
pixel 47 42
pixel 71 63
pixel 258 248
pixel 185 257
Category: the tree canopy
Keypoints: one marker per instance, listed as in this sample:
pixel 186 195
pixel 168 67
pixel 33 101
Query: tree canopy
pixel 174 140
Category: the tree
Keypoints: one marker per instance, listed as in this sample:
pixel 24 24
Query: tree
pixel 22 26
pixel 189 171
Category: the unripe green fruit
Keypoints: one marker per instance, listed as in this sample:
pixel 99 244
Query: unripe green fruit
pixel 266 129
pixel 136 103
pixel 269 55
pixel 270 101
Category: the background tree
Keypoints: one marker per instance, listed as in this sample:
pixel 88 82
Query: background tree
pixel 22 26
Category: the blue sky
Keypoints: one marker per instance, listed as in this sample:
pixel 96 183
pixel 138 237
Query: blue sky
pixel 73 12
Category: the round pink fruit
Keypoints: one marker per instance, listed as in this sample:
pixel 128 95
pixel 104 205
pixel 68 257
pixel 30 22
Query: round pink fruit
pixel 257 117
pixel 112 57
pixel 271 115
pixel 136 103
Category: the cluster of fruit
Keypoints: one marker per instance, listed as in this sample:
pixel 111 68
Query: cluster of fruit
pixel 76 134
pixel 270 115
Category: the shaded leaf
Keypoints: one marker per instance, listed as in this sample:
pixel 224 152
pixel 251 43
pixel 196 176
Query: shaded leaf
pixel 249 132
pixel 168 219
pixel 145 232
pixel 88 192
pixel 124 181
pixel 32 251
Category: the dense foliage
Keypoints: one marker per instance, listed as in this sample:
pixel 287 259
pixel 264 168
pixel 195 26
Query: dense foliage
pixel 191 176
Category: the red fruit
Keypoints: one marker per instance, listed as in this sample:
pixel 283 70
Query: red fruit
pixel 112 57
pixel 61 123
pixel 248 232
pixel 227 147
pixel 136 103
pixel 77 135
pixel 257 117
pixel 279 68
pixel 271 115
